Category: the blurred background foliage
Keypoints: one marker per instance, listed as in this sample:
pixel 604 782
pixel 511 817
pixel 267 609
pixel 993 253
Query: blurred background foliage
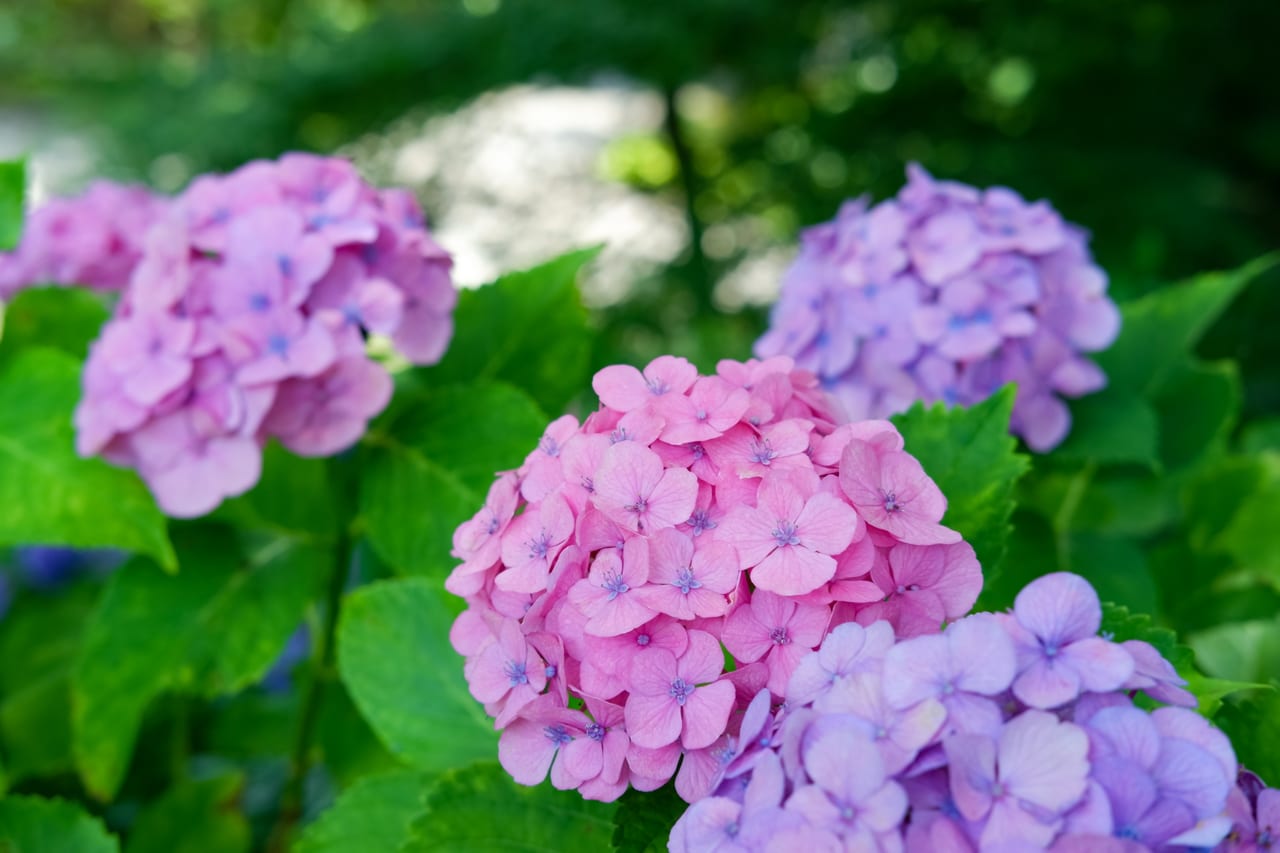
pixel 1148 122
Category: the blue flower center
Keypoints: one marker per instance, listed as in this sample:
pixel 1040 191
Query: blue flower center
pixel 515 673
pixel 595 731
pixel 680 691
pixel 614 584
pixel 779 636
pixel 762 452
pixel 557 734
pixel 686 582
pixel 785 533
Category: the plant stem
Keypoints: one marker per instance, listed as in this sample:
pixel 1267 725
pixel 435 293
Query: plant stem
pixel 291 799
pixel 689 184
pixel 1066 513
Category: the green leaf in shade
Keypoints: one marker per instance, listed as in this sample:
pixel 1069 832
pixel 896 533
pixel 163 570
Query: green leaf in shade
pixel 971 456
pixel 214 628
pixel 1262 434
pixel 528 328
pixel 1159 330
pixel 376 813
pixel 1112 427
pixel 482 808
pixel 64 318
pixel 643 821
pixel 1198 405
pixel 196 817
pixel 1116 567
pixel 293 498
pixel 13 191
pixel 428 470
pixel 1252 721
pixel 395 658
pixel 50 495
pixel 1252 537
pixel 35 825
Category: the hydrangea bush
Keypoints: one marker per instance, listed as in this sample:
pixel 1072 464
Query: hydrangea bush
pixel 705 611
pixel 947 292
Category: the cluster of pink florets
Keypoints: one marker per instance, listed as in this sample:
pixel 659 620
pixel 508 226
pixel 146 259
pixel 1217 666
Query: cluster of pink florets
pixel 1012 731
pixel 947 293
pixel 245 318
pixel 92 240
pixel 607 577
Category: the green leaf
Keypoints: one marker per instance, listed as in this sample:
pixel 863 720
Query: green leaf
pixel 64 318
pixel 1263 434
pixel 643 821
pixel 428 470
pixel 482 808
pixel 1252 721
pixel 395 658
pixel 1251 536
pixel 50 495
pixel 971 456
pixel 215 627
pixel 1122 624
pixel 1117 568
pixel 1198 406
pixel 13 190
pixel 293 497
pixel 1239 651
pixel 529 329
pixel 376 813
pixel 35 825
pixel 1112 427
pixel 199 817
pixel 1159 330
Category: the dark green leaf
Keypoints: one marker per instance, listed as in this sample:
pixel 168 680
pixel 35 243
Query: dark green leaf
pixel 1112 427
pixel 199 817
pixel 529 329
pixel 35 825
pixel 215 627
pixel 1117 568
pixel 50 495
pixel 1122 624
pixel 1261 435
pixel 1198 405
pixel 376 813
pixel 428 471
pixel 395 658
pixel 481 808
pixel 643 821
pixel 1252 721
pixel 971 456
pixel 13 190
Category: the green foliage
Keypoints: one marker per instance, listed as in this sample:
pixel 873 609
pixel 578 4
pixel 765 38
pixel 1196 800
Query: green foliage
pixel 528 329
pixel 1121 624
pixel 1112 427
pixel 970 455
pixel 199 817
pixel 643 821
pixel 13 190
pixel 214 628
pixel 1252 721
pixel 50 495
pixel 35 825
pixel 429 469
pixel 482 808
pixel 59 317
pixel 376 813
pixel 395 658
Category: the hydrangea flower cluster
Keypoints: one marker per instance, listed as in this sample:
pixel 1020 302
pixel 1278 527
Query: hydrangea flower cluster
pixel 94 240
pixel 1012 731
pixel 606 578
pixel 947 293
pixel 245 318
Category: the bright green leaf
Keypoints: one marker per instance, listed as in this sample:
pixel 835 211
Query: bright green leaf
pixel 395 658
pixel 427 471
pixel 482 808
pixel 376 813
pixel 35 825
pixel 215 627
pixel 529 329
pixel 1161 329
pixel 971 456
pixel 13 190
pixel 198 817
pixel 50 495
pixel 64 318
pixel 293 497
pixel 643 821
pixel 1239 651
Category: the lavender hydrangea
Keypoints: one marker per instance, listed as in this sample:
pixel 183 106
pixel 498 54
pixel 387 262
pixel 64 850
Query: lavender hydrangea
pixel 1014 731
pixel 947 292
pixel 245 318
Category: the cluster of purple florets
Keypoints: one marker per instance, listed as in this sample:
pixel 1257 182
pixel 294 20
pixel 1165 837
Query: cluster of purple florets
pixel 1012 731
pixel 607 577
pixel 245 316
pixel 946 293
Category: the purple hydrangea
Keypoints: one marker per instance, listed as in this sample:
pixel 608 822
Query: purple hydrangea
pixel 94 240
pixel 947 293
pixel 1013 731
pixel 245 318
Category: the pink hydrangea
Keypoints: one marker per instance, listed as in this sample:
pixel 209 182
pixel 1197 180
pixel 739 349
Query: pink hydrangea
pixel 94 239
pixel 687 544
pixel 925 744
pixel 946 293
pixel 244 318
